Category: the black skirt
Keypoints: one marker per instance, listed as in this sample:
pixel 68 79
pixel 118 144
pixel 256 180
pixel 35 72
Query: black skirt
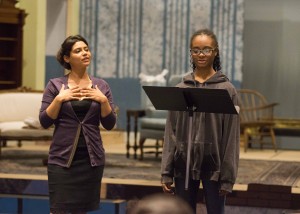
pixel 76 188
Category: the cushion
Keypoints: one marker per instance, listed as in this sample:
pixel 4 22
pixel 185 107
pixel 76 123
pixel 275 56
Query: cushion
pixel 33 123
pixel 17 106
pixel 152 134
pixel 20 129
pixel 153 123
pixel 175 79
pixel 152 112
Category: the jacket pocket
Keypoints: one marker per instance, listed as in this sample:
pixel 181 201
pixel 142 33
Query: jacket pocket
pixel 197 158
pixel 209 158
pixel 180 156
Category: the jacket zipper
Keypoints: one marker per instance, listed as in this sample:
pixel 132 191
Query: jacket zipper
pixel 74 146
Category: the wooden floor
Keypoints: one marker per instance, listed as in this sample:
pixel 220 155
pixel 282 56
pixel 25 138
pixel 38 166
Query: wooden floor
pixel 115 142
pixel 112 146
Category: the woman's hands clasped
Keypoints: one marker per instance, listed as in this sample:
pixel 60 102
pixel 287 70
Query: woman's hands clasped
pixel 93 94
pixel 68 94
pixel 77 93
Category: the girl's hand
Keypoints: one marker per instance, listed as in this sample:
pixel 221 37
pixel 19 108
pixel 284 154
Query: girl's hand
pixel 223 192
pixel 167 188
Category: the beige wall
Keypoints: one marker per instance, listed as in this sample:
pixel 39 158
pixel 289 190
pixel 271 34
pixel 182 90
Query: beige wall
pixel 34 43
pixel 35 36
pixel 73 17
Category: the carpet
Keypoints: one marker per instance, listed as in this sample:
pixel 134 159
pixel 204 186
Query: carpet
pixel 118 166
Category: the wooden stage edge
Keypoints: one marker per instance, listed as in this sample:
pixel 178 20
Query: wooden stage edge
pixel 118 181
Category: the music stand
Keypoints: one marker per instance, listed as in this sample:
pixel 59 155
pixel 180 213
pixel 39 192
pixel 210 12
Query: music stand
pixel 190 100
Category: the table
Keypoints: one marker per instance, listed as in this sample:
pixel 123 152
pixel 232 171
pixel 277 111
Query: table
pixel 136 114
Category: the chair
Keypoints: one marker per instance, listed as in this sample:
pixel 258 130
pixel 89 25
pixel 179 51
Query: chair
pixel 19 122
pixel 152 125
pixel 256 118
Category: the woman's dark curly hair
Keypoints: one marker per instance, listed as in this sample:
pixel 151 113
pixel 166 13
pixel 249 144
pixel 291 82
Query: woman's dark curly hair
pixel 66 48
pixel 207 32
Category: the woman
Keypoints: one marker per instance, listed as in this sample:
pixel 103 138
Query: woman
pixel 76 104
pixel 215 137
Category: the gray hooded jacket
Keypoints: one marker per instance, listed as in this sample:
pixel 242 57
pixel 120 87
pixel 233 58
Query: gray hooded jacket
pixel 215 139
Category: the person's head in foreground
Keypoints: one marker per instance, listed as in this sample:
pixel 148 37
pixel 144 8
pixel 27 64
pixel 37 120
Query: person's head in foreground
pixel 161 204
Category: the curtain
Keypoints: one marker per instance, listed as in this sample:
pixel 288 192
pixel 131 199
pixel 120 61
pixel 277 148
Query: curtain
pixel 129 37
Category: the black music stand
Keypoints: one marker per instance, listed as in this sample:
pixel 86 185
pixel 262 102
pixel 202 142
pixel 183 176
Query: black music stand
pixel 190 100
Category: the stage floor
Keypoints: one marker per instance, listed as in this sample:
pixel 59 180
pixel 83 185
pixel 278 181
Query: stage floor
pixel 115 147
pixel 279 172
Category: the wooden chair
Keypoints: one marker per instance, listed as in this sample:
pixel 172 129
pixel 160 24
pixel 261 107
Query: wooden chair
pixel 256 118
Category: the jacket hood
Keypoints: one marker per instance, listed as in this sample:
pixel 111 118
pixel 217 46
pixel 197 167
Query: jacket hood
pixel 218 77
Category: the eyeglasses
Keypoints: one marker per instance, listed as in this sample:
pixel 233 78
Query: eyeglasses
pixel 205 51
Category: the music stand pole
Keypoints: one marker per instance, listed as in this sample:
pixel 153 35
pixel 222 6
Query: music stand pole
pixel 189 148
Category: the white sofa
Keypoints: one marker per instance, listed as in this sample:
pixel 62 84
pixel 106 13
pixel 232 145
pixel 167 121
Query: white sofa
pixel 19 117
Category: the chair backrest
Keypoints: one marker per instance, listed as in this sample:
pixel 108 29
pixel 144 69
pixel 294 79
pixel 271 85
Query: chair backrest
pixel 175 79
pixel 254 106
pixel 172 82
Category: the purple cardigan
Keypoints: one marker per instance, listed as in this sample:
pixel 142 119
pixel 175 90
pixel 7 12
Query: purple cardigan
pixel 68 126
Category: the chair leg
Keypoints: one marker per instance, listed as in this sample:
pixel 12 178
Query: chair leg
pixel 246 140
pixel 19 143
pixel 273 139
pixel 261 138
pixel 142 141
pixel 157 148
pixel 0 148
